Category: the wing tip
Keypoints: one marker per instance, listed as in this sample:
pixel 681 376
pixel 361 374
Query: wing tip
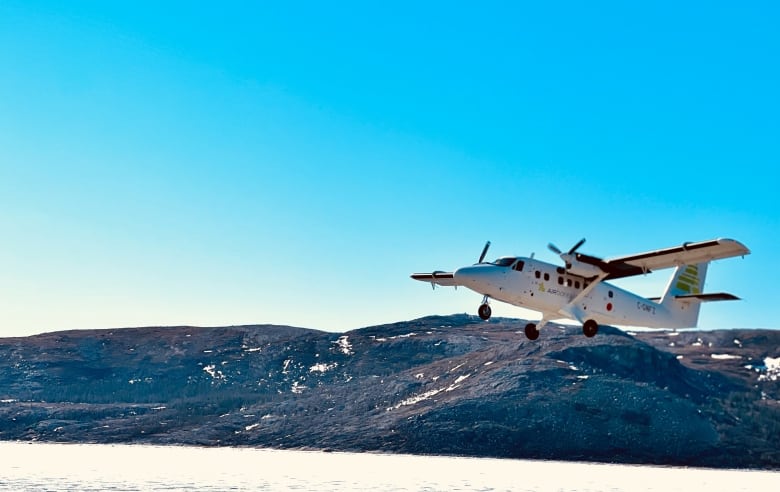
pixel 725 240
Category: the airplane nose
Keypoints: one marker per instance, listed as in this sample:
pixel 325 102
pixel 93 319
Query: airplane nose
pixel 471 274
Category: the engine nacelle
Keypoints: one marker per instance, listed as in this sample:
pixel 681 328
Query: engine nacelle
pixel 576 267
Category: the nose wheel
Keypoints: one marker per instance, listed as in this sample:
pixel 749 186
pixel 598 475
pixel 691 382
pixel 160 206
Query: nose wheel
pixel 484 311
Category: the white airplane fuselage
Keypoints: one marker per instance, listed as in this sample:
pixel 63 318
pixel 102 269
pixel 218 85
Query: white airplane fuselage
pixel 545 287
pixel 577 289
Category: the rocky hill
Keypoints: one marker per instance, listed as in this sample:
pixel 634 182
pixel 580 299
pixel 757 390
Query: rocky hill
pixel 436 385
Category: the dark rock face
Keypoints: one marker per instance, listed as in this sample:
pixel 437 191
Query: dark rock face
pixel 437 385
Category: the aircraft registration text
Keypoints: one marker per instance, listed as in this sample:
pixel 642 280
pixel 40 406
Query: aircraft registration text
pixel 645 307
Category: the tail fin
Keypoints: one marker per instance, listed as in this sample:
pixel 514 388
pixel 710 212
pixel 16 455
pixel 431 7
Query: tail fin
pixel 680 297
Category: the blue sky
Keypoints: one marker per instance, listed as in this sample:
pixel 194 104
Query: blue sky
pixel 174 163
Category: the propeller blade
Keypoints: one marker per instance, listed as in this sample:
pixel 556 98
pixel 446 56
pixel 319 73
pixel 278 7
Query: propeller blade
pixel 553 248
pixel 484 252
pixel 577 246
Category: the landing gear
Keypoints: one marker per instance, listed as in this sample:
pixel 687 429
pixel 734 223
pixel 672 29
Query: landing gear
pixel 590 328
pixel 531 332
pixel 484 311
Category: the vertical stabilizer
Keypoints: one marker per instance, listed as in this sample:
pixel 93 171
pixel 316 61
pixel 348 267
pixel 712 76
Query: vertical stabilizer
pixel 686 280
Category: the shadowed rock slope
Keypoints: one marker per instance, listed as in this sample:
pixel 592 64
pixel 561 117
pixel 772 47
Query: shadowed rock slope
pixel 437 385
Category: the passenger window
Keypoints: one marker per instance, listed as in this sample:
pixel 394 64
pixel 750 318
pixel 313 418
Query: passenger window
pixel 538 274
pixel 610 294
pixel 568 282
pixel 577 284
pixel 547 276
pixel 560 280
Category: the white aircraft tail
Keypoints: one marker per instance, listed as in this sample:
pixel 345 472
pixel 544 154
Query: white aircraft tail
pixel 683 295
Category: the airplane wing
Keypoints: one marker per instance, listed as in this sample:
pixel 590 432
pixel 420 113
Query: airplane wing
pixel 445 279
pixel 685 254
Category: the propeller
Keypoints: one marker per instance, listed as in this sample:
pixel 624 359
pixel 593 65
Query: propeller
pixel 566 257
pixel 573 249
pixel 484 252
pixel 580 264
pixel 577 246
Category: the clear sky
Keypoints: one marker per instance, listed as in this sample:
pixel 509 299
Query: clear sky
pixel 212 164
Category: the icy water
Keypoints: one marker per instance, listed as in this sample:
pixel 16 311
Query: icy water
pixel 36 466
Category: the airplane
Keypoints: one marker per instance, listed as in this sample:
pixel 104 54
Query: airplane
pixel 578 291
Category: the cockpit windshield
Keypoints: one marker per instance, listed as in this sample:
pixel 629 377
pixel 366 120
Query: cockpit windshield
pixel 504 262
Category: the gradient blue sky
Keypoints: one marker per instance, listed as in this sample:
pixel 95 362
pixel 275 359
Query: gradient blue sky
pixel 178 163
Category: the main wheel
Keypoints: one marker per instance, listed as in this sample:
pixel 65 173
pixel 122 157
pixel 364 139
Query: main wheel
pixel 590 328
pixel 531 332
pixel 484 311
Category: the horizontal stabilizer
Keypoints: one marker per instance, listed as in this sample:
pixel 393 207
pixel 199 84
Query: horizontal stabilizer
pixel 718 296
